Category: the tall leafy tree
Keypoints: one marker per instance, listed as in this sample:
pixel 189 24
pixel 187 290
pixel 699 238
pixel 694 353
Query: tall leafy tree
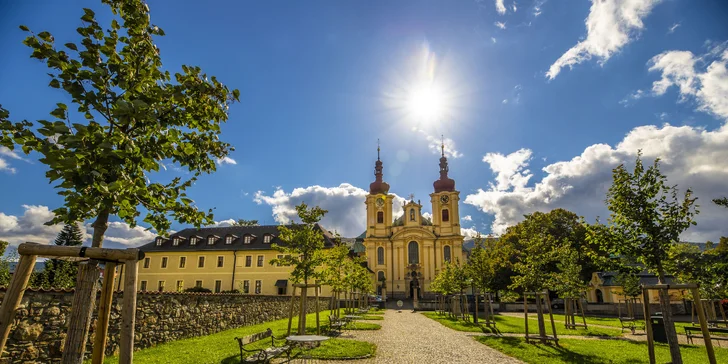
pixel 129 117
pixel 647 217
pixel 243 222
pixel 490 265
pixel 60 273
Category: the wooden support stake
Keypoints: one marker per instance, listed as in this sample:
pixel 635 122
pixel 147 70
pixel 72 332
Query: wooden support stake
pixel 290 314
pixel 79 321
pixel 648 325
pixel 551 316
pixel 78 251
pixel 704 328
pixel 128 313
pixel 102 322
pixel 525 314
pixel 14 295
pixel 318 330
pixel 583 315
pixel 302 311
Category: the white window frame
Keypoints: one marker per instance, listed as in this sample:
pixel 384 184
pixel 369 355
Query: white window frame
pixel 160 241
pixel 193 240
pixel 210 240
pixel 258 286
pixel 181 260
pixel 261 261
pixel 267 238
pixel 217 264
pixel 203 261
pixel 175 241
pixel 247 239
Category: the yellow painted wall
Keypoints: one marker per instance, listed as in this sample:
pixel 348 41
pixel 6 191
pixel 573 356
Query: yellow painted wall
pixel 268 274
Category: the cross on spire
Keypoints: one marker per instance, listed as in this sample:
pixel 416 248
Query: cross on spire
pixel 412 196
pixel 442 136
pixel 377 148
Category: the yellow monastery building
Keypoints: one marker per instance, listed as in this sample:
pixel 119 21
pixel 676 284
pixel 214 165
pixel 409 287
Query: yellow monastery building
pixel 219 259
pixel 406 253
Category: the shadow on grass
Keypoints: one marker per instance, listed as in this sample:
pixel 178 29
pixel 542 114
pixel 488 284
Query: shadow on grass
pixel 511 344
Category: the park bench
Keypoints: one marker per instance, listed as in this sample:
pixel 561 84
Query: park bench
pixel 335 324
pixel 690 332
pixel 631 323
pixel 261 355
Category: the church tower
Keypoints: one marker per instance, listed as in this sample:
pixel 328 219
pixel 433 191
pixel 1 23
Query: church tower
pixel 379 204
pixel 446 215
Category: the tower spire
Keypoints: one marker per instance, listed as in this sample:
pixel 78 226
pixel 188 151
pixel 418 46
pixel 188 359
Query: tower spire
pixel 378 186
pixel 442 138
pixel 377 148
pixel 445 183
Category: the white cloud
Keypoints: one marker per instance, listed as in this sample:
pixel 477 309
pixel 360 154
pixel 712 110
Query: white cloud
pixel 469 233
pixel 4 165
pixel 691 157
pixel 707 85
pixel 673 28
pixel 501 25
pixel 492 39
pixel 500 7
pixel 467 218
pixel 435 144
pixel 226 160
pixel 505 101
pixel 514 7
pixel 611 24
pixel 30 227
pixel 345 203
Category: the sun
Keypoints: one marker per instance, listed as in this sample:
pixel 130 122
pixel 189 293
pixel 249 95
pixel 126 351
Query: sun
pixel 426 102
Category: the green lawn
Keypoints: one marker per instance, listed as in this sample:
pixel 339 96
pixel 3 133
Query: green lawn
pixel 372 317
pixel 510 324
pixel 222 348
pixel 612 321
pixel 355 325
pixel 595 351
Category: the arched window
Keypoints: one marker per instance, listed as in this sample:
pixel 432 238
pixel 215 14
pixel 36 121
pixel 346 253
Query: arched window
pixel 413 252
pixel 380 276
pixel 600 296
pixel 447 253
pixel 412 215
pixel 380 256
pixel 380 217
pixel 445 215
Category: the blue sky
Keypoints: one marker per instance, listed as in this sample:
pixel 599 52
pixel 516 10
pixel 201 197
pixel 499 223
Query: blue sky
pixel 321 81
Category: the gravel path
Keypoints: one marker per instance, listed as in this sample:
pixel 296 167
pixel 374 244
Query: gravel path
pixel 409 337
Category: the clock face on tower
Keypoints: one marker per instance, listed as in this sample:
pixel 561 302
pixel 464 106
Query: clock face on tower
pixel 444 198
pixel 380 202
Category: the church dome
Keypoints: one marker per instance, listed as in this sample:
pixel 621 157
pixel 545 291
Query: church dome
pixel 378 186
pixel 445 183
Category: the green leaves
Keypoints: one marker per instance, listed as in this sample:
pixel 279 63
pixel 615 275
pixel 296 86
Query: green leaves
pixel 134 119
pixel 24 28
pixel 303 244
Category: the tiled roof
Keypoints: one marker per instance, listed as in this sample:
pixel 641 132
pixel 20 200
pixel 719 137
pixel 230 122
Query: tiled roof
pixel 646 278
pixel 257 234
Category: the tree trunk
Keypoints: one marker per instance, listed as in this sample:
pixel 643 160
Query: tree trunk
pixel 84 298
pixel 669 324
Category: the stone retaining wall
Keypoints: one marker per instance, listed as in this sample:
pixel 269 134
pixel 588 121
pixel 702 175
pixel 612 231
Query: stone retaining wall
pixel 40 323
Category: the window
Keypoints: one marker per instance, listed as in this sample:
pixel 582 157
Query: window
pixel 380 276
pixel 267 238
pixel 246 286
pixel 182 262
pixel 445 215
pixel 380 217
pixel 228 240
pixel 260 260
pixel 161 286
pixel 164 262
pixel 447 253
pixel 160 241
pixel 248 260
pixel 176 241
pixel 193 240
pixel 380 256
pixel 201 262
pixel 180 286
pixel 412 215
pixel 413 252
pixel 281 291
pixel 258 285
pixel 198 284
pixel 218 284
pixel 143 285
pixel 247 239
pixel 220 262
pixel 210 240
pixel 279 256
pixel 146 262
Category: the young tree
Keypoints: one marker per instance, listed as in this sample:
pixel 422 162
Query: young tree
pixel 60 273
pixel 647 216
pixel 337 263
pixel 302 249
pixel 131 118
pixel 490 265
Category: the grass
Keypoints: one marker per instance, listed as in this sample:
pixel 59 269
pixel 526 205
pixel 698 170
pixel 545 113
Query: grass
pixel 595 351
pixel 372 317
pixel 222 348
pixel 510 324
pixel 354 325
pixel 612 321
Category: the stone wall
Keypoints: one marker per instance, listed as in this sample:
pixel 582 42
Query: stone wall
pixel 40 323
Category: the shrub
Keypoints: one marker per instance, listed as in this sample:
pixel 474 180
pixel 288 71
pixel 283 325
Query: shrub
pixel 198 290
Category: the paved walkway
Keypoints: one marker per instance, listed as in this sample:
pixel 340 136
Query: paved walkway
pixel 409 337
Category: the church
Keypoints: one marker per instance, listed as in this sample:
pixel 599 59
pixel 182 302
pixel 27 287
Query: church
pixel 407 253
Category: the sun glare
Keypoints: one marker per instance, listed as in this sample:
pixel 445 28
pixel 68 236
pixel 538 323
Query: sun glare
pixel 426 102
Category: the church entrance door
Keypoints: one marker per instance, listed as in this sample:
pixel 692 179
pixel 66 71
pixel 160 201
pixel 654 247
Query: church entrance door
pixel 414 284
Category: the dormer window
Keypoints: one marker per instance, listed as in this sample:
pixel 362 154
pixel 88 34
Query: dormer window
pixel 229 239
pixel 247 239
pixel 160 240
pixel 193 240
pixel 267 238
pixel 176 240
pixel 211 240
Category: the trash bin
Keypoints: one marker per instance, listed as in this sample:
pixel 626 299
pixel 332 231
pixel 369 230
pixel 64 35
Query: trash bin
pixel 658 328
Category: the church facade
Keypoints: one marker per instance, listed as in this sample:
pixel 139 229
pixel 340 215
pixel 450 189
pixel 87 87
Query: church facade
pixel 407 253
